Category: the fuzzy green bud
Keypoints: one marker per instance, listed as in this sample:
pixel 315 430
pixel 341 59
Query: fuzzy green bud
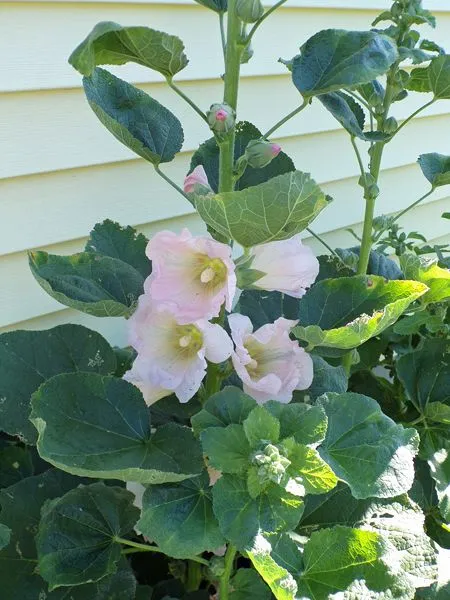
pixel 249 11
pixel 221 118
pixel 390 125
pixel 271 464
pixel 259 153
pixel 247 54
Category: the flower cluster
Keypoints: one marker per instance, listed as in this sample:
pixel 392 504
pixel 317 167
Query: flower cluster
pixel 193 280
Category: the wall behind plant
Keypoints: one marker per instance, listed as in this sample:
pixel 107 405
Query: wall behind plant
pixel 61 171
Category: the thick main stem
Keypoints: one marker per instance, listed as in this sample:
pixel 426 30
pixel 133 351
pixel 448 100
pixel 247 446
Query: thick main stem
pixel 224 584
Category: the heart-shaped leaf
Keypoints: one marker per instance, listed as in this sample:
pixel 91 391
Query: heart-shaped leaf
pixel 28 358
pixel 334 59
pixel 427 271
pixel 439 77
pixel 111 44
pixel 436 168
pixel 274 210
pixel 419 81
pixel 133 117
pixel 77 538
pixel 97 426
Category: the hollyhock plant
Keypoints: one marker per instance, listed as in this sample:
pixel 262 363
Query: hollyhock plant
pixel 260 153
pixel 195 274
pixel 196 178
pixel 270 364
pixel 172 354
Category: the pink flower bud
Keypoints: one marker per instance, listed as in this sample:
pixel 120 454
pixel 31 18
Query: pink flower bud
pixel 221 118
pixel 197 177
pixel 259 153
pixel 221 114
pixel 276 149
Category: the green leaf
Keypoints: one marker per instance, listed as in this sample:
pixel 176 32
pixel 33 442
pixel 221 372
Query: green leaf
pixel 436 411
pixel 327 378
pixel 425 373
pixel 208 155
pixel 261 425
pixel 427 271
pixel 76 542
pixel 436 168
pixel 333 59
pixel 242 518
pixel 219 6
pixel 365 448
pixel 111 239
pixel 265 307
pixel 111 44
pixel 310 470
pixel 409 325
pixel 305 424
pixel 274 210
pixel 419 81
pixel 97 285
pixel 28 358
pixel 15 464
pixel 439 77
pixel 133 117
pixel 440 471
pixel 227 448
pixel 97 426
pixel 5 535
pixel 248 585
pixel 346 312
pixel 228 407
pixel 180 519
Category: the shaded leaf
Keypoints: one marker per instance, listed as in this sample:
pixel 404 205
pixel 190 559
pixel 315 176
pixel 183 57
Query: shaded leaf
pixel 439 77
pixel 436 168
pixel 227 448
pixel 419 81
pixel 327 378
pixel 227 407
pixel 15 464
pixel 331 267
pixel 248 585
pixel 5 535
pixel 265 307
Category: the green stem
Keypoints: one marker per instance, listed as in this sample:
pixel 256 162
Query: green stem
pixel 358 157
pixel 191 103
pixel 263 18
pixel 224 582
pixel 414 114
pixel 223 35
pixel 323 242
pixel 347 362
pixel 286 118
pixel 171 183
pixel 194 576
pixel 147 548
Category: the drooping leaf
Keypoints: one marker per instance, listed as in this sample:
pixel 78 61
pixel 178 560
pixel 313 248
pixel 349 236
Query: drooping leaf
pixel 246 584
pixel 436 168
pixel 346 312
pixel 334 59
pixel 77 538
pixel 180 519
pixel 5 535
pixel 230 406
pixel 439 77
pixel 365 448
pixel 97 426
pixel 111 239
pixel 111 44
pixel 219 6
pixel 16 463
pixel 274 210
pixel 133 117
pixel 97 285
pixel 208 156
pixel 28 358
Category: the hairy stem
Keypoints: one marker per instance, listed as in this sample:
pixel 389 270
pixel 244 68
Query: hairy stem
pixel 224 584
pixel 286 118
pixel 191 103
pixel 194 576
pixel 411 206
pixel 223 35
pixel 323 242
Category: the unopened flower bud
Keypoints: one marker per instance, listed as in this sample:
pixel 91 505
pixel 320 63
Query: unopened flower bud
pixel 249 11
pixel 246 54
pixel 259 153
pixel 197 182
pixel 221 118
pixel 390 125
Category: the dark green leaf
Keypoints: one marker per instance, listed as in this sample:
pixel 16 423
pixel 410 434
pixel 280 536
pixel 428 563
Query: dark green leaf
pixel 248 585
pixel 334 59
pixel 228 407
pixel 306 424
pixel 125 358
pixel 436 168
pixel 365 448
pixel 111 239
pixel 180 519
pixel 5 535
pixel 28 358
pixel 76 542
pixel 227 448
pixel 133 117
pixel 170 410
pixel 265 307
pixel 111 44
pixel 261 425
pixel 98 285
pixel 219 6
pixel 15 464
pixel 439 77
pixel 97 426
pixel 409 325
pixel 327 378
pixel 274 210
pixel 345 312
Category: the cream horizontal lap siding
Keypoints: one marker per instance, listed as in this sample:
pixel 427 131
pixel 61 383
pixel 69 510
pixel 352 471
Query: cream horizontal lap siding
pixel 61 171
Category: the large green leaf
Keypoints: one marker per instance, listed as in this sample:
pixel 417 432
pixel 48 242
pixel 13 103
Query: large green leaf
pixel 28 358
pixel 16 463
pixel 208 155
pixel 98 285
pixel 305 424
pixel 125 243
pixel 97 426
pixel 133 117
pixel 439 77
pixel 425 373
pixel 436 168
pixel 274 210
pixel 179 518
pixel 5 535
pixel 310 471
pixel 248 585
pixel 111 44
pixel 227 407
pixel 265 307
pixel 327 378
pixel 333 59
pixel 365 448
pixel 346 312
pixel 227 448
pixel 428 272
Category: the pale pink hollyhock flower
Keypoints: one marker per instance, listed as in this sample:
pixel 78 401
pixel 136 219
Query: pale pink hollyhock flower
pixel 269 363
pixel 172 355
pixel 196 177
pixel 196 274
pixel 289 266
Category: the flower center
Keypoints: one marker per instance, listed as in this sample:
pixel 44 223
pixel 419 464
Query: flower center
pixel 212 273
pixel 189 339
pixel 207 275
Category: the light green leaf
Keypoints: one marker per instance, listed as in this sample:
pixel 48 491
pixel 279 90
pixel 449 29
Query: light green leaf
pixel 227 448
pixel 28 358
pixel 333 59
pixel 76 542
pixel 440 471
pixel 248 585
pixel 228 407
pixel 436 168
pixel 133 117
pixel 439 77
pixel 309 470
pixel 242 519
pixel 180 519
pixel 274 210
pixel 346 312
pixel 305 424
pixel 111 44
pixel 419 80
pixel 97 426
pixel 365 448
pixel 98 285
pixel 438 412
pixel 428 272
pixel 261 425
pixel 5 535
